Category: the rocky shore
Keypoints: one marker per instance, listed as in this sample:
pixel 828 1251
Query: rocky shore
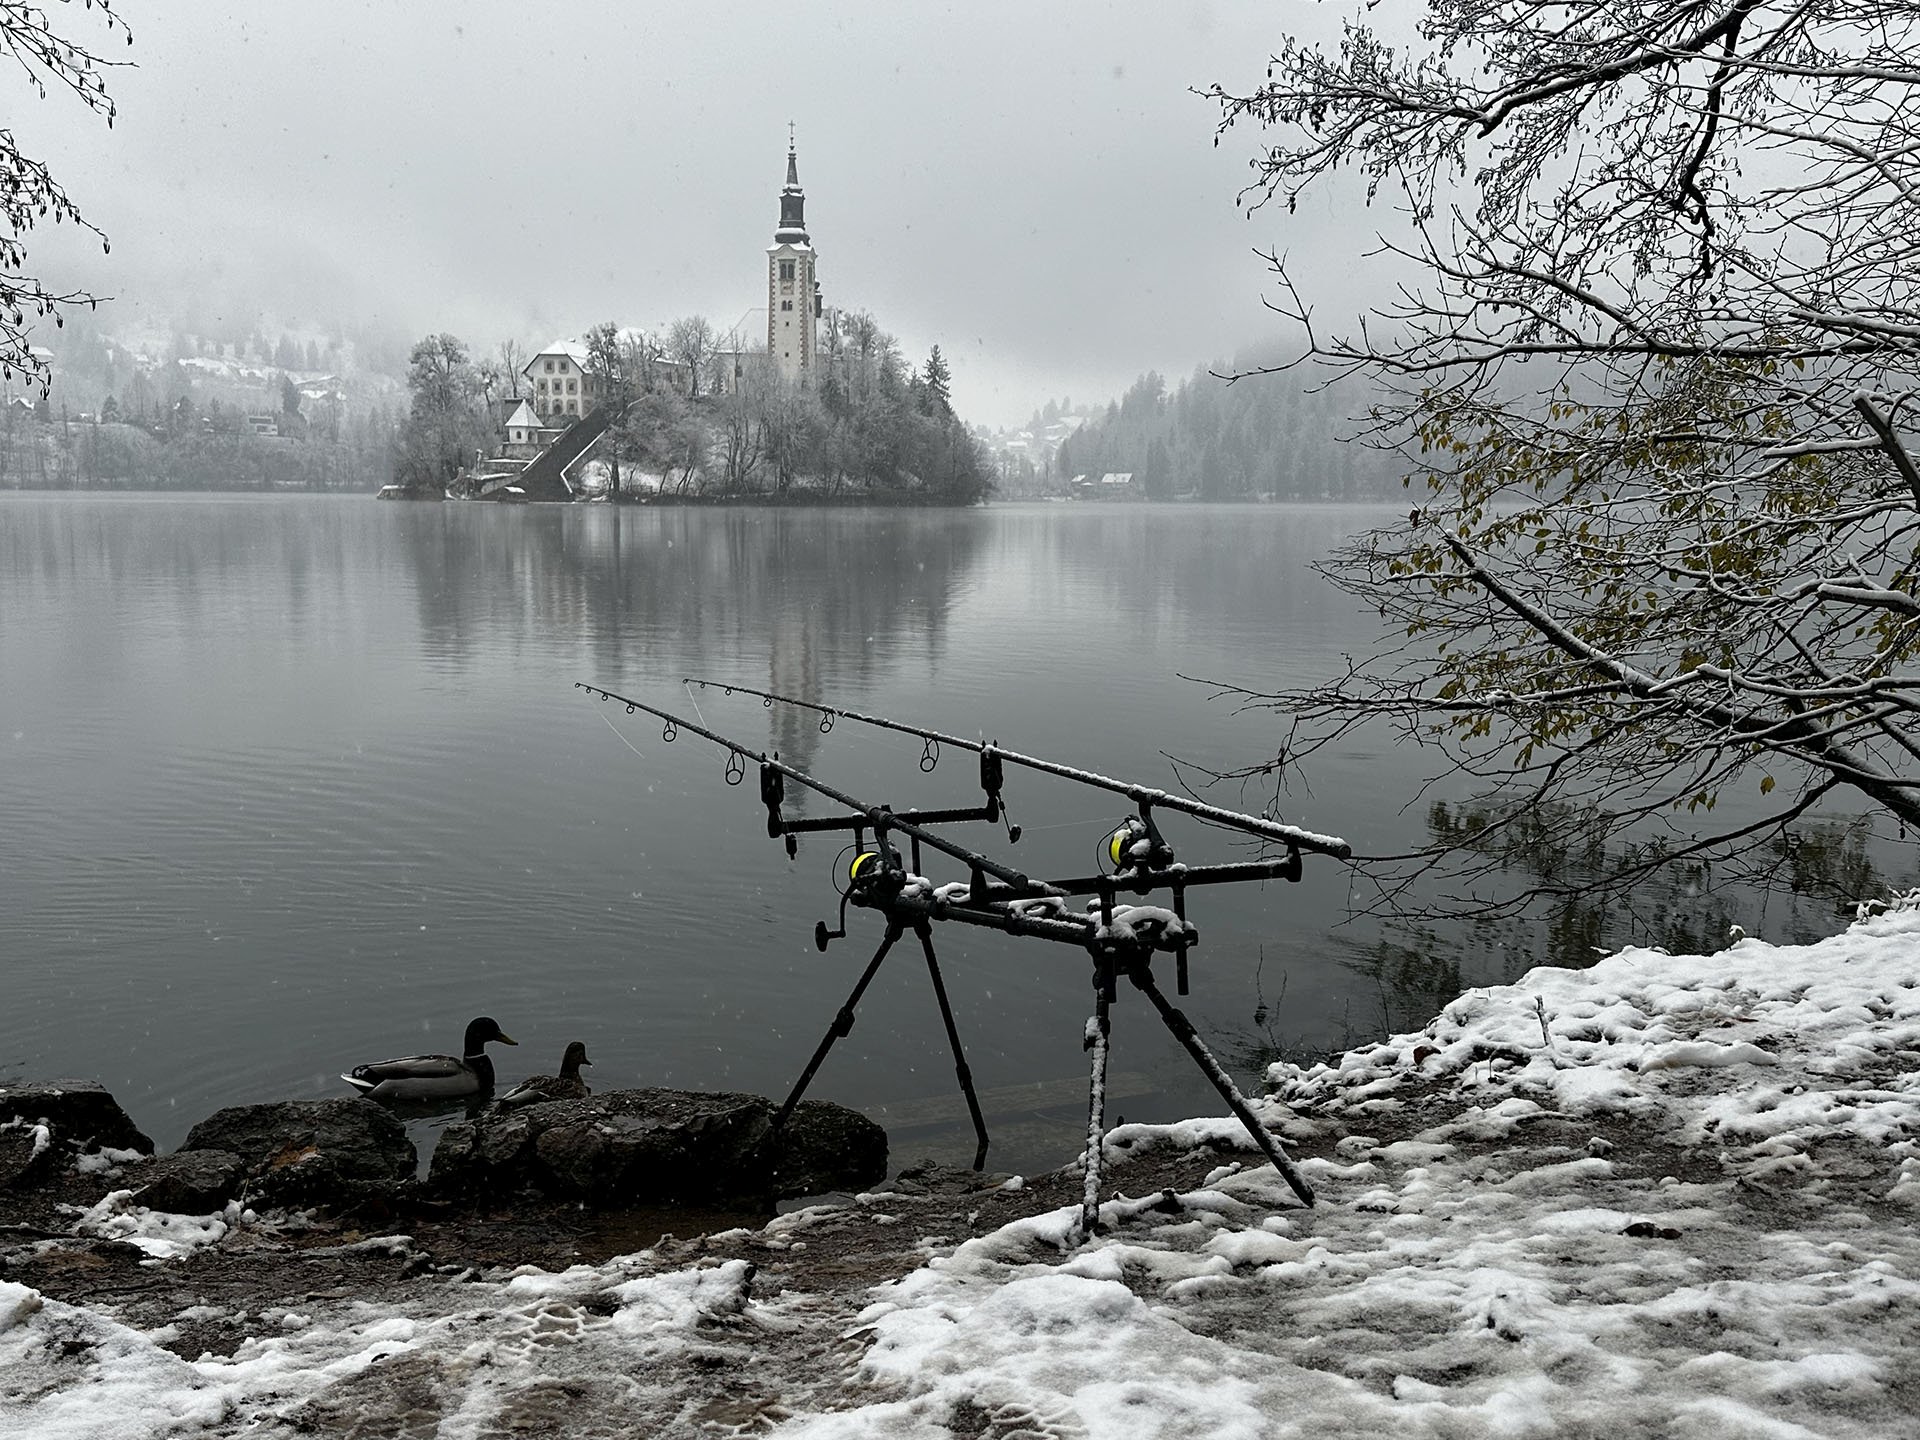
pixel 269 1215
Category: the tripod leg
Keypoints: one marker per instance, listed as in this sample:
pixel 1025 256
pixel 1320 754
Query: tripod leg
pixel 960 1067
pixel 1099 1033
pixel 1184 1032
pixel 842 1025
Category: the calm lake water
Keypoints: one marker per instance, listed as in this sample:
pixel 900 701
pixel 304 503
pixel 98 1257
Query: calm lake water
pixel 292 783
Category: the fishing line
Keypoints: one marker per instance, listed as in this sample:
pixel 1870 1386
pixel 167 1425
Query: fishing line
pixel 623 739
pixel 693 702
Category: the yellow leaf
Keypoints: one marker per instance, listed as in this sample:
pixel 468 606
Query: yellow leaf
pixel 1766 783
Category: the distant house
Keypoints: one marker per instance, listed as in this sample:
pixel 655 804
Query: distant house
pixel 264 424
pixel 562 389
pixel 559 380
pixel 1114 485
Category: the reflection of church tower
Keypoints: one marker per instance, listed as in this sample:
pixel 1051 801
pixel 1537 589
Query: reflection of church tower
pixel 793 294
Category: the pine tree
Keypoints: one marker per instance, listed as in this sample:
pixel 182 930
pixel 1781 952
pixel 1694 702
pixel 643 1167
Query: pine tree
pixel 938 380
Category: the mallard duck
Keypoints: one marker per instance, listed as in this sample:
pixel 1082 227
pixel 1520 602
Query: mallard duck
pixel 433 1077
pixel 567 1085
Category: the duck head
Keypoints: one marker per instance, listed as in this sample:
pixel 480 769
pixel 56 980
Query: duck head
pixel 482 1030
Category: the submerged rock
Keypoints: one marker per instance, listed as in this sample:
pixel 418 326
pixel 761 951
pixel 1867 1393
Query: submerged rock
pixel 655 1146
pixel 81 1112
pixel 310 1151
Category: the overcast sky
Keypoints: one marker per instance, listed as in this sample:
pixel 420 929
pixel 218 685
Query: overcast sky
pixel 1033 187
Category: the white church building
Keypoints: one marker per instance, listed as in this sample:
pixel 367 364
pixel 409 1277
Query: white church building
pixel 793 285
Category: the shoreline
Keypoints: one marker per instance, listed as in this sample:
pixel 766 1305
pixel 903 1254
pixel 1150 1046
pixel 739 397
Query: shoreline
pixel 1670 1195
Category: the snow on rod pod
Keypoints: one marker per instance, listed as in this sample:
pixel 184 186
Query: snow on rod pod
pixel 1140 794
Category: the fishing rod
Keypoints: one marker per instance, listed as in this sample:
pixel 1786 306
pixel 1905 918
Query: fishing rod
pixel 774 771
pixel 1144 796
pixel 1122 939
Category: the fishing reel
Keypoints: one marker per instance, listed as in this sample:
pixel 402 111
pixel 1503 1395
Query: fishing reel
pixel 1134 844
pixel 862 873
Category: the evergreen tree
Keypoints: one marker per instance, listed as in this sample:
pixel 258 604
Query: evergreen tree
pixel 938 382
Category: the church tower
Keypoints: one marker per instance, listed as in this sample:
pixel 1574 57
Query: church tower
pixel 793 292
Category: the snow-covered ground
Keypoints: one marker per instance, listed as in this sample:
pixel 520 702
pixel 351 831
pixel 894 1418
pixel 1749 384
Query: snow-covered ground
pixel 595 477
pixel 1668 1196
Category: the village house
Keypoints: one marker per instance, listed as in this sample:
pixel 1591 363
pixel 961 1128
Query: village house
pixel 559 380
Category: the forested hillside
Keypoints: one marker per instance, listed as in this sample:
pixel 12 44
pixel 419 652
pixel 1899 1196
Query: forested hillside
pixel 1274 436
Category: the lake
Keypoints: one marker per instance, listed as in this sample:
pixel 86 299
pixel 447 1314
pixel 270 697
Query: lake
pixel 293 783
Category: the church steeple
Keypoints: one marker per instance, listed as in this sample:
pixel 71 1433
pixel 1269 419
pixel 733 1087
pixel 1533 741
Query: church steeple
pixel 793 204
pixel 793 289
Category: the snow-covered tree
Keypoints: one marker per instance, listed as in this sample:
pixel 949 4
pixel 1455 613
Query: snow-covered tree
pixel 1654 374
pixel 46 60
pixel 445 428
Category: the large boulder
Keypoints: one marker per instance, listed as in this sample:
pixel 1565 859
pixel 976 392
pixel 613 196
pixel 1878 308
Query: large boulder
pixel 323 1152
pixel 189 1182
pixel 655 1146
pixel 81 1112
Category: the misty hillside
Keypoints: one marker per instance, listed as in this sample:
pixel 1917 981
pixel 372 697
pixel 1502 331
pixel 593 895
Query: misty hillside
pixel 1273 436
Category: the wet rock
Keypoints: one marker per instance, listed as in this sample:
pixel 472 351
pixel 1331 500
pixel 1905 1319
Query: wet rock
pixel 829 1147
pixel 644 1147
pixel 26 1157
pixel 80 1112
pixel 310 1152
pixel 192 1182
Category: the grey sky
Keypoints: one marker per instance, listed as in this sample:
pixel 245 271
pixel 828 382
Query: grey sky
pixel 1030 186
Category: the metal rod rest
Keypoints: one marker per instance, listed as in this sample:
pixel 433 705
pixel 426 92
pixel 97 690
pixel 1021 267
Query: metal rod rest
pixel 1099 1038
pixel 912 817
pixel 961 1070
pixel 1140 794
pixel 1120 937
pixel 842 1025
pixel 1184 1032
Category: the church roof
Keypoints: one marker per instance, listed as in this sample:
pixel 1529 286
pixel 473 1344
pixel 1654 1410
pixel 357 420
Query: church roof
pixel 793 205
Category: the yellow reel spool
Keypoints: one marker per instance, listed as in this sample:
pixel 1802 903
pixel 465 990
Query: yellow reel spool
pixel 1119 845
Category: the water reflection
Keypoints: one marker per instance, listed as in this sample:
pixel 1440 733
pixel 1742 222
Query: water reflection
pixel 1799 885
pixel 826 601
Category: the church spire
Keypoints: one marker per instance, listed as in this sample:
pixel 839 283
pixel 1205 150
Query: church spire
pixel 793 289
pixel 793 202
